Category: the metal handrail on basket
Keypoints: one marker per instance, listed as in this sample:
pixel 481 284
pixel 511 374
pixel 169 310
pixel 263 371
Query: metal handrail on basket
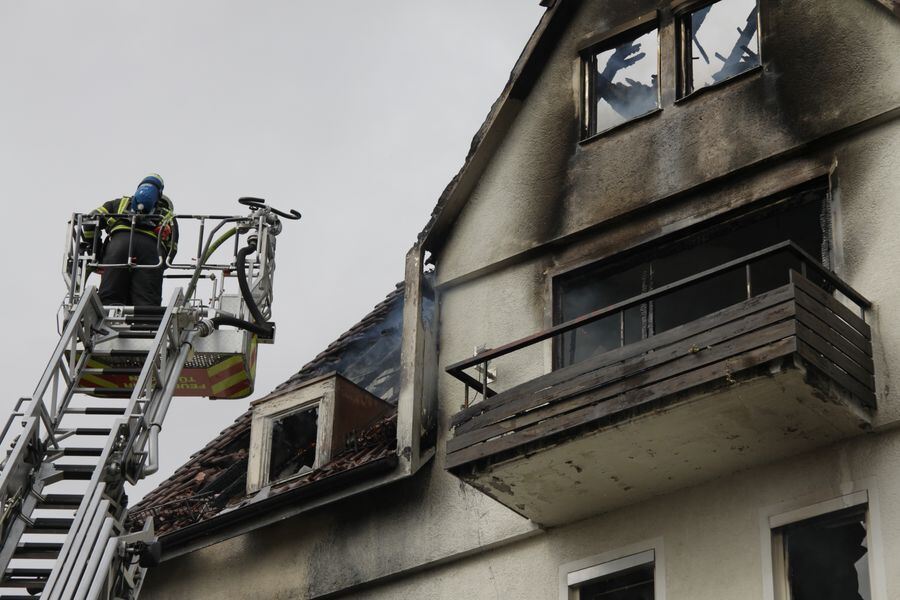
pixel 80 264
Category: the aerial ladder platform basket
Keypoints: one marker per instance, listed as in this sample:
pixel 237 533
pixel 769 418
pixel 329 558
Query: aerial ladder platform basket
pixel 92 424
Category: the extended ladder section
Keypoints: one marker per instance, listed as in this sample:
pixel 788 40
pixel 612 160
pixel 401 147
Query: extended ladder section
pixel 93 422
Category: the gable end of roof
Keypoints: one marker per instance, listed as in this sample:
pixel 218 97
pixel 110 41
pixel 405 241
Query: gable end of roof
pixel 499 119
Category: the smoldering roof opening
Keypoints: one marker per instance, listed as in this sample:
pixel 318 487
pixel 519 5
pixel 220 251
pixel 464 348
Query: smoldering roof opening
pixel 369 354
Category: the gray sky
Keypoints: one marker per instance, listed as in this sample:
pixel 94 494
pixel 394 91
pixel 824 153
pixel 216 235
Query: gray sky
pixel 355 112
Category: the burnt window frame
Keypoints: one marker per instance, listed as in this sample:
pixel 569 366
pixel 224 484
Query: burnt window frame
pixel 270 421
pixel 853 504
pixel 691 236
pixel 683 55
pixel 588 58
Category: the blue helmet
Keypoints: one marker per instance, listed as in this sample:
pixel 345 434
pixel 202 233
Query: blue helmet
pixel 148 194
pixel 155 179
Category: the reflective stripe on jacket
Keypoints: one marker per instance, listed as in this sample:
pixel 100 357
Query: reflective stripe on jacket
pixel 159 224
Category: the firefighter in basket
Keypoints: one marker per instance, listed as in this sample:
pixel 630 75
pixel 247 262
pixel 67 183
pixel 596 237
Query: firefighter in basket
pixel 153 239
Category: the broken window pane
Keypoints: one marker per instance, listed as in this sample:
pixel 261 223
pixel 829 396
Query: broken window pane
pixel 631 584
pixel 293 444
pixel 623 82
pixel 722 41
pixel 827 557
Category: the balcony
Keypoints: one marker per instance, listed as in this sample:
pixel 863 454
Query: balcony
pixel 779 373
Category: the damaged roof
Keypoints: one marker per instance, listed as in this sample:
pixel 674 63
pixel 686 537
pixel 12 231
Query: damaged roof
pixel 213 481
pixel 498 121
pixel 368 354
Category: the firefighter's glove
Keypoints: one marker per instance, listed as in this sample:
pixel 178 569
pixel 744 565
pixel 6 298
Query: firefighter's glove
pixel 164 232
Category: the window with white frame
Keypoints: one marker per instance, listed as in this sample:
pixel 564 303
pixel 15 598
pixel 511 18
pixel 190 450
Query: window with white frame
pixel 301 429
pixel 824 557
pixel 289 435
pixel 718 40
pixel 631 577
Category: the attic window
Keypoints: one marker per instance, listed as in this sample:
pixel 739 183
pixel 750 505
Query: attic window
pixel 621 79
pixel 304 428
pixel 293 449
pixel 718 41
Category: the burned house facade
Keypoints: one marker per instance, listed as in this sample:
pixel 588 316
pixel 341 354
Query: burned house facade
pixel 643 350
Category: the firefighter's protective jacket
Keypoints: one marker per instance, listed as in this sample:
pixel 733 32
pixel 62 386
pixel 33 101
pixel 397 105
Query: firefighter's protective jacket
pixel 160 224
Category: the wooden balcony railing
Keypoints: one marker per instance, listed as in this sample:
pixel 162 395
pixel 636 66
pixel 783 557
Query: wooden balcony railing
pixel 802 319
pixel 808 265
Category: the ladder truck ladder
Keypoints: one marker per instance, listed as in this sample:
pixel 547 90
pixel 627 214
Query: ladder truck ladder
pixel 47 551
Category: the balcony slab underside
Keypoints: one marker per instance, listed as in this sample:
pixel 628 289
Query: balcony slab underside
pixel 774 376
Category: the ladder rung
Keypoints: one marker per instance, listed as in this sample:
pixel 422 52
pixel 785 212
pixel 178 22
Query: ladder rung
pixel 146 311
pixel 49 525
pixel 26 572
pixel 82 451
pixel 106 392
pixel 86 431
pixel 143 326
pixel 137 335
pixel 33 579
pixel 76 472
pixel 143 318
pixel 96 410
pixel 30 584
pixel 61 501
pixel 112 371
pixel 37 550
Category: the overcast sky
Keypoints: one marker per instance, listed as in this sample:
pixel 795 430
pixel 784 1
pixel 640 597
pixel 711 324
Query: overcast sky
pixel 357 113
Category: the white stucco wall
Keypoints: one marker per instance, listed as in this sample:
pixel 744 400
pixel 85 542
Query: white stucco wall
pixel 712 535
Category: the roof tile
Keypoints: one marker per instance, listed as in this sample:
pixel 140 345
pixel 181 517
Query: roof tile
pixel 179 501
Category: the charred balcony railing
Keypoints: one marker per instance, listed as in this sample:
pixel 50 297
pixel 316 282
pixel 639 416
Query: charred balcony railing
pixel 809 267
pixel 733 382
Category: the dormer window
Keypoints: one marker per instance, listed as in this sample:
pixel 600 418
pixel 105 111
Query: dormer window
pixel 302 429
pixel 621 78
pixel 718 41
